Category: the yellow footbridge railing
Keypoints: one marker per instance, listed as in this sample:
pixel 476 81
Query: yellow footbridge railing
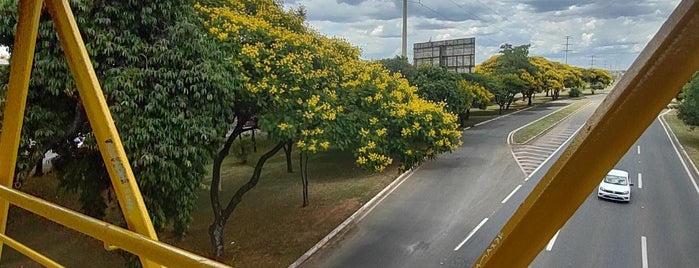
pixel 141 238
pixel 653 80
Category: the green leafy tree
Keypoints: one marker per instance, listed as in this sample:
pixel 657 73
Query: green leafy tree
pixel 514 60
pixel 400 64
pixel 441 85
pixel 314 92
pixel 479 95
pixel 689 107
pixel 165 89
pixel 511 85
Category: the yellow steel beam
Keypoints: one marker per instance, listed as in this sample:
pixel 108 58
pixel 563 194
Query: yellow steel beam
pixel 111 234
pixel 105 131
pixel 656 76
pixel 36 256
pixel 20 70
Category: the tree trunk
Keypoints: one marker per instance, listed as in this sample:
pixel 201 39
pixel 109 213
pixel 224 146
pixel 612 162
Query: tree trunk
pixel 530 100
pixel 216 229
pixel 221 216
pixel 39 167
pixel 287 151
pixel 303 157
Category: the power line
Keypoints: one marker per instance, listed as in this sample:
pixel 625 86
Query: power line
pixel 567 45
pixel 481 19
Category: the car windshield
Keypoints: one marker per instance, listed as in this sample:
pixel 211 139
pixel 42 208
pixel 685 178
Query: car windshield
pixel 614 179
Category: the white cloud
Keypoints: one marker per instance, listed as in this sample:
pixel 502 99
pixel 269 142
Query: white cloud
pixel 614 31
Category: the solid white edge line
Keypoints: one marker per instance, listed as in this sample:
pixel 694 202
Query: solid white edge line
pixel 471 234
pixel 644 252
pixel 554 153
pixel 511 194
pixel 684 152
pixel 511 134
pixel 549 246
pixel 359 214
pixel 671 136
pixel 502 116
pixel 640 181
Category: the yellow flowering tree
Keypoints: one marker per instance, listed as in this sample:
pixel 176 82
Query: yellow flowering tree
pixel 390 120
pixel 287 84
pixel 314 92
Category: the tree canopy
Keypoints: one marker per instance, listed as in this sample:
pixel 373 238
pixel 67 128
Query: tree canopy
pixel 315 92
pixel 165 88
pixel 689 107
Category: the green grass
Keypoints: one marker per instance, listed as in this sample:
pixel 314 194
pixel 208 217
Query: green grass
pixel 268 229
pixel 688 136
pixel 538 127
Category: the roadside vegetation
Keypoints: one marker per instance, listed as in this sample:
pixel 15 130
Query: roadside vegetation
pixel 685 119
pixel 181 96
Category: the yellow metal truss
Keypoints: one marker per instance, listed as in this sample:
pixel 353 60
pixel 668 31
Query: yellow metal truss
pixel 659 72
pixel 142 239
pixel 651 82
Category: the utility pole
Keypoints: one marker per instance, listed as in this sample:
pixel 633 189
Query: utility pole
pixel 567 44
pixel 404 48
pixel 592 61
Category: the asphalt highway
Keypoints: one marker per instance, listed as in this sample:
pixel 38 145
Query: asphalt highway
pixel 450 208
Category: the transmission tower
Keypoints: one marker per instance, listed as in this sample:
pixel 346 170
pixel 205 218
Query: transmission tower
pixel 567 44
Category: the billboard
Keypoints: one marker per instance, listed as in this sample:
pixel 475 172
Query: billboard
pixel 457 54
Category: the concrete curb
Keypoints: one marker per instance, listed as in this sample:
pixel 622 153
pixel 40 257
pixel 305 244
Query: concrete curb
pixel 357 216
pixel 510 136
pixel 366 208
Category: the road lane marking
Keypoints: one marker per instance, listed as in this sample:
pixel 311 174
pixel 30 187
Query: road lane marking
pixel 644 252
pixel 549 246
pixel 471 234
pixel 552 154
pixel 511 194
pixel 640 181
pixel 638 149
pixel 670 136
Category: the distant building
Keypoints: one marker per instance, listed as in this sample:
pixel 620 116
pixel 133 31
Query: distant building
pixel 456 54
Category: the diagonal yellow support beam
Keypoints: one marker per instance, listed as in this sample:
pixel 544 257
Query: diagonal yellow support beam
pixel 664 66
pixel 105 131
pixel 20 70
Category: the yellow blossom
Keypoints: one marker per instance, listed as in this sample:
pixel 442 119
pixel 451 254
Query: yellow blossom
pixel 284 126
pixel 364 132
pixel 325 145
pixel 361 160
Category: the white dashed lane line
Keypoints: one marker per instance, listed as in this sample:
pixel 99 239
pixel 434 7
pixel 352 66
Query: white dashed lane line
pixel 511 194
pixel 471 234
pixel 644 252
pixel 549 246
pixel 640 181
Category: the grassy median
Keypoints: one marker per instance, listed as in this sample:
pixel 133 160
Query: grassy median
pixel 538 127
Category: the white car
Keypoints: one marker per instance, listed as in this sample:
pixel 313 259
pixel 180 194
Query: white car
pixel 615 186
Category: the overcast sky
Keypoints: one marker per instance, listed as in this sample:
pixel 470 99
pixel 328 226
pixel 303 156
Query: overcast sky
pixel 605 33
pixel 613 31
